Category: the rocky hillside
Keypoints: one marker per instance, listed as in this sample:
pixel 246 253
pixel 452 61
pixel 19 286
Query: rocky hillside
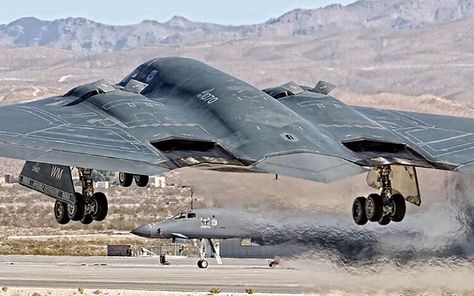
pixel 86 36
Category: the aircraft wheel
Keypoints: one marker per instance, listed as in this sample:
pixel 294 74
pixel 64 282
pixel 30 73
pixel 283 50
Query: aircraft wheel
pixel 76 211
pixel 374 207
pixel 101 206
pixel 60 212
pixel 399 207
pixel 384 220
pixel 125 179
pixel 358 211
pixel 87 219
pixel 141 180
pixel 203 263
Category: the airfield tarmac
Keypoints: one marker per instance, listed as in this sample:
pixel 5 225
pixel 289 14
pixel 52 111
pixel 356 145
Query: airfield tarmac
pixel 182 275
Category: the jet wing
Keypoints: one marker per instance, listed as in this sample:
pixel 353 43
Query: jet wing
pixel 378 137
pixel 73 136
pixel 445 141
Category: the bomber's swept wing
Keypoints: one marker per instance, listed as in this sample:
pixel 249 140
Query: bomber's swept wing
pixel 391 137
pixel 447 142
pixel 49 131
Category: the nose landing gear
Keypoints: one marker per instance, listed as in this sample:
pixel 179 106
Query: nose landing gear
pixel 215 251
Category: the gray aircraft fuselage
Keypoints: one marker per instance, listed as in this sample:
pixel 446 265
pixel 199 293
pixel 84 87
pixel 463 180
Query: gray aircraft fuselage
pixel 208 223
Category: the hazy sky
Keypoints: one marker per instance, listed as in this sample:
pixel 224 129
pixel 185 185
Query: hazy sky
pixel 128 12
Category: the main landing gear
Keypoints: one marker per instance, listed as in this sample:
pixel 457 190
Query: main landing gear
pixel 89 206
pixel 382 208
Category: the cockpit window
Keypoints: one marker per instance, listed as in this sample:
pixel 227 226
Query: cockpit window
pixel 151 76
pixel 130 76
pixel 180 216
pixel 185 215
pixel 144 74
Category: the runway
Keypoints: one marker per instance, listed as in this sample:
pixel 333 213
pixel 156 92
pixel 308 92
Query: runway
pixel 236 275
pixel 147 274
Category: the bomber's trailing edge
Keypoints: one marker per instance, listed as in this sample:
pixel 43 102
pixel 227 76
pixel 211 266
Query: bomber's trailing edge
pixel 176 112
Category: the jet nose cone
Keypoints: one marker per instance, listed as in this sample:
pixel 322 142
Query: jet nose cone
pixel 143 231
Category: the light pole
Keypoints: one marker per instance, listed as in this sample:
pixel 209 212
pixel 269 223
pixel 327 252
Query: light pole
pixel 192 195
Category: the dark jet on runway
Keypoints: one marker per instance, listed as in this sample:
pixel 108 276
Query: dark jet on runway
pixel 173 112
pixel 208 226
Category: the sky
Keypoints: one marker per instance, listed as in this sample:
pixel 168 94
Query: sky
pixel 121 12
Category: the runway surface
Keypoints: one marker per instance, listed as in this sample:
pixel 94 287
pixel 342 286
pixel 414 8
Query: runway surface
pixel 146 274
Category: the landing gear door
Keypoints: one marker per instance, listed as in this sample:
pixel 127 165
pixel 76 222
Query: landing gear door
pixel 403 180
pixel 52 180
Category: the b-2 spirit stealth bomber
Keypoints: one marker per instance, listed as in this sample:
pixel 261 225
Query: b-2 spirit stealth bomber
pixel 174 112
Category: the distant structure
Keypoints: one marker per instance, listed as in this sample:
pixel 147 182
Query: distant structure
pixel 157 181
pixel 2 181
pixel 10 179
pixel 102 185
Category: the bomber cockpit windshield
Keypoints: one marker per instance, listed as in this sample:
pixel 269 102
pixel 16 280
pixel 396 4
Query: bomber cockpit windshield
pixel 140 78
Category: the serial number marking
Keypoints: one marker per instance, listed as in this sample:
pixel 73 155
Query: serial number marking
pixel 46 189
pixel 207 96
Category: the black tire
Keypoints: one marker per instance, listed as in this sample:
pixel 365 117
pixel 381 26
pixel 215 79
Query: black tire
pixel 374 207
pixel 141 180
pixel 125 179
pixel 87 219
pixel 60 212
pixel 101 206
pixel 76 211
pixel 203 263
pixel 358 211
pixel 385 220
pixel 399 206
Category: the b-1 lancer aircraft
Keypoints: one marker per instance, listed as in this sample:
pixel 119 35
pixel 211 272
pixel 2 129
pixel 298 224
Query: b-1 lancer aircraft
pixel 177 112
pixel 205 225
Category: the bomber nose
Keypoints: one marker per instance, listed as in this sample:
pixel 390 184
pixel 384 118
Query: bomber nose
pixel 143 231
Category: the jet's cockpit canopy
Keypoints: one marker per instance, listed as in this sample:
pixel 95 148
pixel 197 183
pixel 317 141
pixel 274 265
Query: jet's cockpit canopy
pixel 140 78
pixel 185 215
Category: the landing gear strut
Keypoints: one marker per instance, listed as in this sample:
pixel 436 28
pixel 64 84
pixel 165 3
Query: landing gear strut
pixel 89 206
pixel 382 208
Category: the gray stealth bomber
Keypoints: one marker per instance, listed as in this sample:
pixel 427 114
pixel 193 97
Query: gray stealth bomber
pixel 176 112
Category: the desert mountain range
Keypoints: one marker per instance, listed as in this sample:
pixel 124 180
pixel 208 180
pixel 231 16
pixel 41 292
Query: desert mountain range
pixel 86 36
